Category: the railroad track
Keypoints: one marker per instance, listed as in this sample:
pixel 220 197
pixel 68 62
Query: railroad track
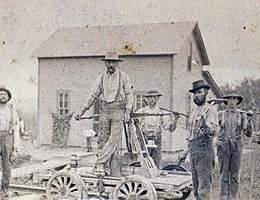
pixel 26 188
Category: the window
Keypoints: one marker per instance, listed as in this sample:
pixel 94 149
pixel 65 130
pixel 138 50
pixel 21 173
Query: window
pixel 63 103
pixel 189 55
pixel 139 100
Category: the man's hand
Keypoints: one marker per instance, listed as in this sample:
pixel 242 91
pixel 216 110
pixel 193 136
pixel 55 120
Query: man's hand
pixel 77 117
pixel 218 143
pixel 126 116
pixel 14 155
pixel 255 137
pixel 181 159
pixel 173 126
pixel 203 116
pixel 250 115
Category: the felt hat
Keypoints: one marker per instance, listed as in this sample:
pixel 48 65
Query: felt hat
pixel 112 56
pixel 152 93
pixel 199 84
pixel 232 95
pixel 2 88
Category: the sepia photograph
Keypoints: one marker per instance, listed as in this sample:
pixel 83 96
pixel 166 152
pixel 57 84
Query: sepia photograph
pixel 129 100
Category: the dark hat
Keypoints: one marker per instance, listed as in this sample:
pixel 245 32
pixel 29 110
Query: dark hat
pixel 152 93
pixel 112 56
pixel 2 88
pixel 240 98
pixel 199 84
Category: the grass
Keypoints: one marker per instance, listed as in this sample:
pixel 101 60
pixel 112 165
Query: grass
pixel 248 190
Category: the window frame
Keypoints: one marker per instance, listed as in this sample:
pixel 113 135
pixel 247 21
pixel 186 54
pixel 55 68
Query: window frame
pixel 142 93
pixel 63 107
pixel 189 59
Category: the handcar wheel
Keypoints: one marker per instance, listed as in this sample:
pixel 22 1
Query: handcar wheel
pixel 64 185
pixel 185 195
pixel 135 164
pixel 134 188
pixel 178 168
pixel 174 167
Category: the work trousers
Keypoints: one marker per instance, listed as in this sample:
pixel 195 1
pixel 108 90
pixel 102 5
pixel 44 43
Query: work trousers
pixel 156 153
pixel 6 149
pixel 109 137
pixel 202 164
pixel 229 156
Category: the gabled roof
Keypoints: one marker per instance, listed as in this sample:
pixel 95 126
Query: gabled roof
pixel 139 39
pixel 207 76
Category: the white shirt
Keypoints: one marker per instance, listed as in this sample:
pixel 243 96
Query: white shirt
pixel 7 113
pixel 5 118
pixel 154 123
pixel 107 86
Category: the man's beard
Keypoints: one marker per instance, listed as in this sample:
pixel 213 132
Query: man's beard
pixel 3 100
pixel 152 103
pixel 199 101
pixel 111 70
pixel 232 106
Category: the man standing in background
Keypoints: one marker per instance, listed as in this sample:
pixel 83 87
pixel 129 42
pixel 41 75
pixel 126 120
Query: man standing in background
pixel 9 138
pixel 152 126
pixel 233 126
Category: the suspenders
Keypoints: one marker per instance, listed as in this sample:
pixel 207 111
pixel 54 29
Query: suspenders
pixel 118 89
pixel 238 121
pixel 12 117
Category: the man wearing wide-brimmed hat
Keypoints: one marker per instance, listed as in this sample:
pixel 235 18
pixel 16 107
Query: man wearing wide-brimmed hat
pixel 233 125
pixel 203 126
pixel 114 90
pixel 152 126
pixel 9 137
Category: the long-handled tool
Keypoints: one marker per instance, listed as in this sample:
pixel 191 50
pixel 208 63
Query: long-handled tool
pixel 78 118
pixel 212 102
pixel 174 112
pixel 254 156
pixel 146 161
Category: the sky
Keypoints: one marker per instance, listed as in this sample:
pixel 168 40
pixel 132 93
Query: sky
pixel 230 30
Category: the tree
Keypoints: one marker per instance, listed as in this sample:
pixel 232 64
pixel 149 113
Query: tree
pixel 249 89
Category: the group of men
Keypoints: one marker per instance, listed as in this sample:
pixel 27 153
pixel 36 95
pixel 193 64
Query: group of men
pixel 114 89
pixel 115 92
pixel 228 126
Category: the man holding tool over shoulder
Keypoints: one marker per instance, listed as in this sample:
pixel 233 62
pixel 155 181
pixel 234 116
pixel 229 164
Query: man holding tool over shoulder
pixel 114 89
pixel 234 124
pixel 203 125
pixel 152 126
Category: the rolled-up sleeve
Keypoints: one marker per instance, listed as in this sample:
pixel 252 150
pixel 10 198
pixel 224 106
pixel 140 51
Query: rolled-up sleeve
pixel 128 89
pixel 15 129
pixel 95 92
pixel 244 121
pixel 212 122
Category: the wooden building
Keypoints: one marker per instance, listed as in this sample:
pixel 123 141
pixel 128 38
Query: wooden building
pixel 166 57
